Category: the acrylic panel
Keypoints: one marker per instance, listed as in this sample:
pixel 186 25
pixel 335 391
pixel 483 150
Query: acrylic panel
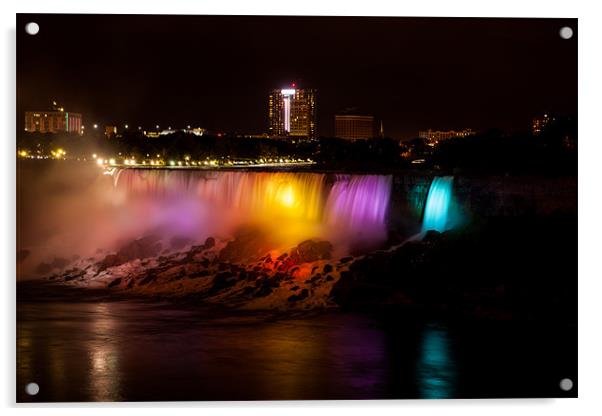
pixel 295 208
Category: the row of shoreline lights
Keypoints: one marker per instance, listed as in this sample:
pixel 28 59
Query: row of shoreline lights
pixel 187 162
pixel 95 126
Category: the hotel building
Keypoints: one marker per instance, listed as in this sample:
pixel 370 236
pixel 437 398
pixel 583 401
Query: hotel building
pixel 353 127
pixel 292 113
pixel 55 121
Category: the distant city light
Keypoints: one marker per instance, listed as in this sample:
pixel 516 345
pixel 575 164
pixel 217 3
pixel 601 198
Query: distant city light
pixel 126 126
pixel 95 126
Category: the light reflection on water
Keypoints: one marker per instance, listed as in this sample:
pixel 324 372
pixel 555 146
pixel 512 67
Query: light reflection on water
pixel 131 350
pixel 436 369
pixel 105 378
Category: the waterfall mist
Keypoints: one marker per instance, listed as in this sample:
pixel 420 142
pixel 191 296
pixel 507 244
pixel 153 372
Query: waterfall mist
pixel 77 209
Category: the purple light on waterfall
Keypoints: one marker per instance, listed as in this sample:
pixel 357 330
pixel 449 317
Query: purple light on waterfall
pixel 359 203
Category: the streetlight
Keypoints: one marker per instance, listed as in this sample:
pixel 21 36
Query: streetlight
pixel 126 126
pixel 95 126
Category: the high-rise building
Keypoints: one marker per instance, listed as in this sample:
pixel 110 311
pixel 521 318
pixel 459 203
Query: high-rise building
pixel 353 127
pixel 539 123
pixel 56 120
pixel 292 113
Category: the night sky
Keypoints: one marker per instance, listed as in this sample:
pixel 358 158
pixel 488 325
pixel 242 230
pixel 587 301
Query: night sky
pixel 217 71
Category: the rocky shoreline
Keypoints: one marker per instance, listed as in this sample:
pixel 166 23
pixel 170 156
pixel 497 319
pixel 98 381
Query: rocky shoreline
pixel 473 272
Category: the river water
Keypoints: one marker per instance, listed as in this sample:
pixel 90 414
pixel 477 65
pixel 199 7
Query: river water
pixel 86 346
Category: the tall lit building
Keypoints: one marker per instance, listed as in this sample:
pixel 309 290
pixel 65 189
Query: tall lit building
pixel 539 123
pixel 353 127
pixel 292 113
pixel 56 120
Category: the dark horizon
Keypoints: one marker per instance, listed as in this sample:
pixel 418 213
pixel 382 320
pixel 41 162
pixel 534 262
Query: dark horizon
pixel 217 71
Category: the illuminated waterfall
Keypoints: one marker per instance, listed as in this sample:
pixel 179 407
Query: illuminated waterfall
pixel 358 204
pixel 437 207
pixel 295 204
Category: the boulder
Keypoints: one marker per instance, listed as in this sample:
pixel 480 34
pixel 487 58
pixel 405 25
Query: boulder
pixel 248 244
pixel 115 282
pixel 311 250
pixel 209 243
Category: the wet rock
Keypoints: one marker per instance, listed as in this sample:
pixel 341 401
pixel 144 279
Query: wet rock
pixel 73 274
pixel 302 295
pixel 115 282
pixel 138 249
pixel 327 268
pixel 209 243
pixel 345 260
pixel 179 242
pixel 205 262
pixel 141 248
pixel 264 287
pixel 295 288
pixel 311 250
pixel 222 280
pixel 282 256
pixel 111 260
pixel 329 278
pixel 248 244
pixel 432 236
pixel 147 279
pixel 200 273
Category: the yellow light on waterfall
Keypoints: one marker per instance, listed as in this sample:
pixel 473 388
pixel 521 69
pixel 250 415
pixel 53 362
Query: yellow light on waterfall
pixel 287 196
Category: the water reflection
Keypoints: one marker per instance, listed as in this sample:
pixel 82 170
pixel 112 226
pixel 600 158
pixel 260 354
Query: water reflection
pixel 104 356
pixel 436 370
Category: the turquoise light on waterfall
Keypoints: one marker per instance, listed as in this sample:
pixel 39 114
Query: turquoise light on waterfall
pixel 438 201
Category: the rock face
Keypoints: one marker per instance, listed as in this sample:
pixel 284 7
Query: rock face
pixel 248 244
pixel 499 269
pixel 309 251
pixel 141 248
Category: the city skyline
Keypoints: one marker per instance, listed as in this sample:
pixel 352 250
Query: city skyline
pixel 140 70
